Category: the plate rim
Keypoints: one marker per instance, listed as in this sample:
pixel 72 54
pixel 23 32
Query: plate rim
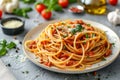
pixel 67 71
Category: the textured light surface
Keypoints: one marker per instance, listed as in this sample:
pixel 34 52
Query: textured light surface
pixel 26 70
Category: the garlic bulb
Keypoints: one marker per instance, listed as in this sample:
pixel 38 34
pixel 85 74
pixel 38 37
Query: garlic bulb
pixel 9 5
pixel 114 17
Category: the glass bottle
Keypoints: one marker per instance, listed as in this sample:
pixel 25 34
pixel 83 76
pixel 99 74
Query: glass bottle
pixel 94 6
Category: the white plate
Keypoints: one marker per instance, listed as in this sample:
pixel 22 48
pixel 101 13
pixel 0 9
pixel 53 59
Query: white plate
pixel 113 38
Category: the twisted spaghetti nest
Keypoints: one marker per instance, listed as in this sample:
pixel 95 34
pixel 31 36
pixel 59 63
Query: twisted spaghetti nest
pixel 70 45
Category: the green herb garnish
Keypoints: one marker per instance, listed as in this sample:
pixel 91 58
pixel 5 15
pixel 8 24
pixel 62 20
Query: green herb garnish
pixel 22 12
pixel 3 51
pixel 103 59
pixel 86 35
pixel 93 35
pixel 10 45
pixel 63 23
pixel 113 43
pixel 28 1
pixel 78 28
pixel 88 24
pixel 4 46
pixel 3 43
pixel 52 5
pixel 72 1
pixel 73 31
pixel 68 26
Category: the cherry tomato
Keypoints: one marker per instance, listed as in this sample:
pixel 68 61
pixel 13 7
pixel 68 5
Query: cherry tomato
pixel 40 7
pixel 0 13
pixel 46 14
pixel 113 2
pixel 63 3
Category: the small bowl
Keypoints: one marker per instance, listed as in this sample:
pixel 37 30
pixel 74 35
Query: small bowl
pixel 12 31
pixel 76 9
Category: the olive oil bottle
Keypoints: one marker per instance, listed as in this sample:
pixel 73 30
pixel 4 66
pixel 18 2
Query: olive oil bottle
pixel 94 6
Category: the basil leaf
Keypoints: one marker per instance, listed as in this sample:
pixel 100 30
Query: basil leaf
pixel 72 1
pixel 3 51
pixel 28 9
pixel 57 7
pixel 46 2
pixel 24 14
pixel 11 45
pixel 3 43
pixel 79 28
pixel 73 31
pixel 22 11
pixel 28 1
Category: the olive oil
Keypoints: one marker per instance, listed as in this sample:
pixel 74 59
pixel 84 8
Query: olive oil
pixel 94 6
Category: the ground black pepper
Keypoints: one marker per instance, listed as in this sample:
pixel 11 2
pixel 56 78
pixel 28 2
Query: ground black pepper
pixel 18 48
pixel 20 42
pixel 25 72
pixel 8 65
pixel 16 51
pixel 97 79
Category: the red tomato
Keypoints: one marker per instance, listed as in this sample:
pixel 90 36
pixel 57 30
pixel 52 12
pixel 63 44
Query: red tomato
pixel 113 2
pixel 0 13
pixel 46 14
pixel 63 3
pixel 40 7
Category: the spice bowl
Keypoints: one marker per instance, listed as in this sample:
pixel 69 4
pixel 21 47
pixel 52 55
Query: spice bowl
pixel 12 26
pixel 76 9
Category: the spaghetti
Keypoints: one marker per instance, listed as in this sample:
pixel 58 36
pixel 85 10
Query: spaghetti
pixel 70 45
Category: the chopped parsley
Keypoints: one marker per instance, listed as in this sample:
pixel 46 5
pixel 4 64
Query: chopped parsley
pixel 88 25
pixel 63 23
pixel 68 26
pixel 113 43
pixel 103 59
pixel 93 35
pixel 73 31
pixel 78 28
pixel 86 35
